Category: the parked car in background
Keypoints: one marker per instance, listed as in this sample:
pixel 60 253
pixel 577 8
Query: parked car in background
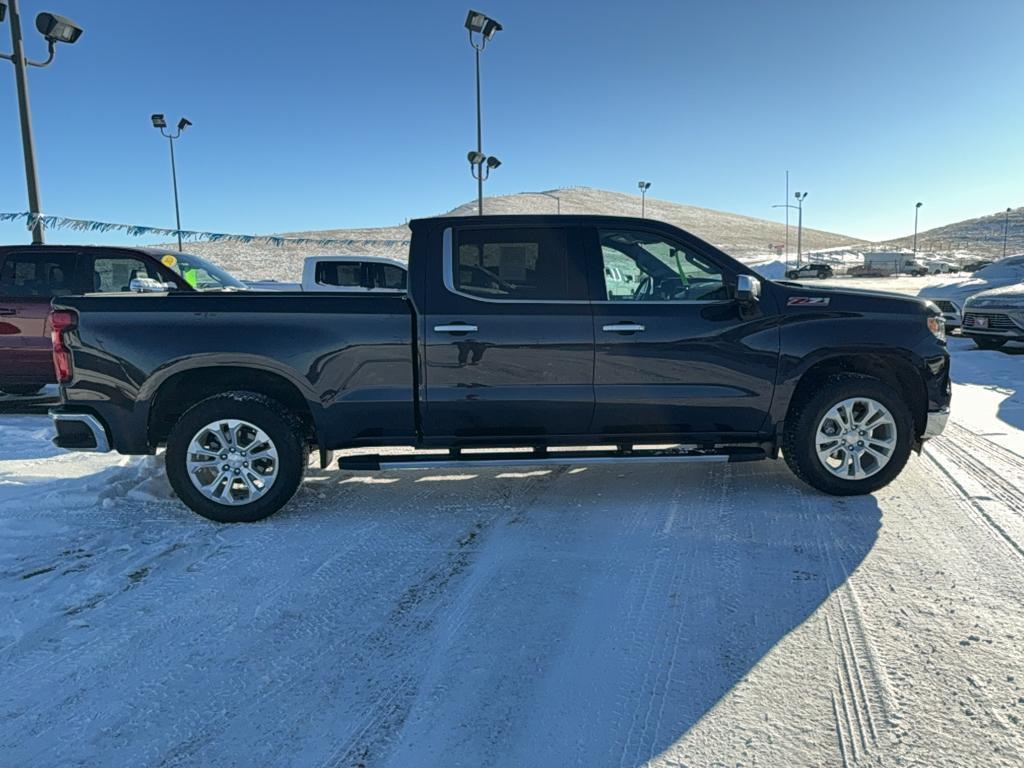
pixel 820 271
pixel 356 274
pixel 941 267
pixel 995 317
pixel 974 266
pixel 517 332
pixel 950 296
pixel 31 276
pixel 271 285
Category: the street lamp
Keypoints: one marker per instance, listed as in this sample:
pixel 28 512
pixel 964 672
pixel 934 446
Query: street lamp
pixel 56 29
pixel 917 208
pixel 800 197
pixel 644 186
pixel 161 124
pixel 1006 230
pixel 481 29
pixel 553 196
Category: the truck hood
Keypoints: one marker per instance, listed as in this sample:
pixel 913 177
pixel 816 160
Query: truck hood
pixel 851 300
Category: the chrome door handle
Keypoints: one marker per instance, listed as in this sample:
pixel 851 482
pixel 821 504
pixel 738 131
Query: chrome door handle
pixel 623 328
pixel 456 328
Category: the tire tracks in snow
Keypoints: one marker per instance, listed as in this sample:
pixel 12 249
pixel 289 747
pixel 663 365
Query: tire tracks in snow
pixel 860 687
pixel 988 488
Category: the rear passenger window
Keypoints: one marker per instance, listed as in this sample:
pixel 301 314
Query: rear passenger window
pixel 393 278
pixel 517 265
pixel 340 273
pixel 38 274
pixel 114 274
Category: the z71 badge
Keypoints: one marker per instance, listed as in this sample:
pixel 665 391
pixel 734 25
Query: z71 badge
pixel 808 301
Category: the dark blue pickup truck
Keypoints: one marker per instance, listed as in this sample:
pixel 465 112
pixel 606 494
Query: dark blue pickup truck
pixel 539 338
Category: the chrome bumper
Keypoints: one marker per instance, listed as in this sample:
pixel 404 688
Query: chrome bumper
pixel 935 424
pixel 71 436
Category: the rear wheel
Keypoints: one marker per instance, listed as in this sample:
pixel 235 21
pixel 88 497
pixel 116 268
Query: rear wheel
pixel 852 435
pixel 983 343
pixel 237 457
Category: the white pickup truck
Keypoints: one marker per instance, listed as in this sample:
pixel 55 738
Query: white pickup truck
pixel 347 274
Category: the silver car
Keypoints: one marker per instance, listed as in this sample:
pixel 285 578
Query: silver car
pixel 950 297
pixel 995 317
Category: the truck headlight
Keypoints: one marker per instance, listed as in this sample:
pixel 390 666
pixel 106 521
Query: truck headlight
pixel 937 325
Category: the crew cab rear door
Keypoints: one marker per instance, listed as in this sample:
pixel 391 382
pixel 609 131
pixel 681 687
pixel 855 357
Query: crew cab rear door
pixel 675 352
pixel 509 340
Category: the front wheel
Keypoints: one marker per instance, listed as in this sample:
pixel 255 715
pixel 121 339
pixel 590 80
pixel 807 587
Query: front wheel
pixel 852 435
pixel 237 457
pixel 983 343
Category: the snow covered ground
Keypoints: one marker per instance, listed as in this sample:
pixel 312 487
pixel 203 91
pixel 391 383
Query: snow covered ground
pixel 581 616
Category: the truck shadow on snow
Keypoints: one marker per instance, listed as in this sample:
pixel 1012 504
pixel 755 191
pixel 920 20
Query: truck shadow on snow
pixel 608 611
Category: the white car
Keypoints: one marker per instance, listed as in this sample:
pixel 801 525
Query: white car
pixel 941 267
pixel 995 317
pixel 950 296
pixel 353 274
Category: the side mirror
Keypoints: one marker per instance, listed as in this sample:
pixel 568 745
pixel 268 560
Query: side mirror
pixel 748 289
pixel 148 285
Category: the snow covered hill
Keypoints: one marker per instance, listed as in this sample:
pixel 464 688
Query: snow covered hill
pixel 741 236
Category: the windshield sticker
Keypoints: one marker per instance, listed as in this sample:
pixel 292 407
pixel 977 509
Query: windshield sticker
pixel 808 301
pixel 168 261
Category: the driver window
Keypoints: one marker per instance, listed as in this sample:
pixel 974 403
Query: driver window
pixel 639 266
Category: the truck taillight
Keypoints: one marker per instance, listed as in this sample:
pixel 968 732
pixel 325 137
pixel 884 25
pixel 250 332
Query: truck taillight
pixel 61 321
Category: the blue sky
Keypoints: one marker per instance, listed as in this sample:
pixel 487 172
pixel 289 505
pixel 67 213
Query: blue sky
pixel 315 114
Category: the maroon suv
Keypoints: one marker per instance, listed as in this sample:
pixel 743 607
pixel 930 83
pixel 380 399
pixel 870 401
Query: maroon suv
pixel 31 276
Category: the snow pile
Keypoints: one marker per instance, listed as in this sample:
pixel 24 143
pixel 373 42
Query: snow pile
pixel 773 270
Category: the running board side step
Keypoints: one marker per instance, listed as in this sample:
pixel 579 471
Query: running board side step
pixel 536 458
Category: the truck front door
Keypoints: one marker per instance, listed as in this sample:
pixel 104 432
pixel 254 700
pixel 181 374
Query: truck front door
pixel 675 353
pixel 509 340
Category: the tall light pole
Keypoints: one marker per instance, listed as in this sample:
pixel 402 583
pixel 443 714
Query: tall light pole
pixel 787 207
pixel 481 29
pixel 1006 230
pixel 56 29
pixel 160 123
pixel 556 198
pixel 644 186
pixel 800 197
pixel 917 207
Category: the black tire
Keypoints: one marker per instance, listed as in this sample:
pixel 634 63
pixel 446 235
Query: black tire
pixel 802 424
pixel 983 343
pixel 22 390
pixel 270 416
pixel 792 275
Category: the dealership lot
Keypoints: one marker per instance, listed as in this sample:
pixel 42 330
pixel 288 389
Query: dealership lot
pixel 587 615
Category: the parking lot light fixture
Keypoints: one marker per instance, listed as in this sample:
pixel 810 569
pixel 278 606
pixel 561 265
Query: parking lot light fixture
pixel 1006 230
pixel 481 29
pixel 917 208
pixel 800 197
pixel 56 29
pixel 160 123
pixel 644 186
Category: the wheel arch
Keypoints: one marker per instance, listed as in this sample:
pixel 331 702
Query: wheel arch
pixel 177 392
pixel 894 369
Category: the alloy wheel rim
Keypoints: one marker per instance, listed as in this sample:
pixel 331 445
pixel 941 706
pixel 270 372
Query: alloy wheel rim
pixel 856 438
pixel 232 462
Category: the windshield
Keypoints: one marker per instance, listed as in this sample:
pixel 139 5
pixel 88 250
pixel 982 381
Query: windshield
pixel 199 273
